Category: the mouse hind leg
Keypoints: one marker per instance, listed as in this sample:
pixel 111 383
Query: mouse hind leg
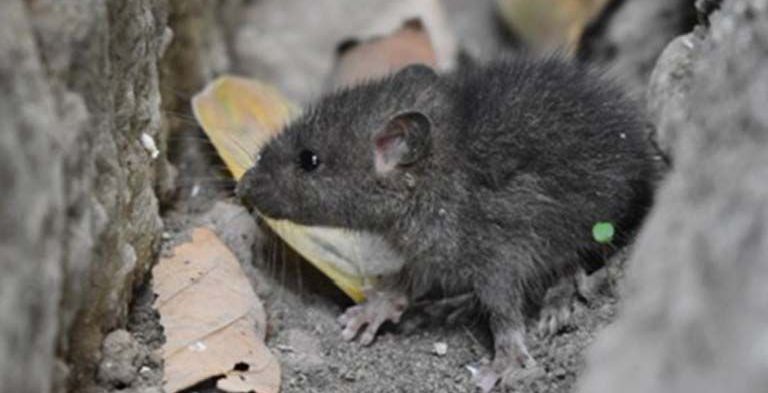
pixel 561 303
pixel 512 363
pixel 568 297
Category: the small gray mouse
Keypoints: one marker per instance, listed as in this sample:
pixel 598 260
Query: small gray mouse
pixel 487 180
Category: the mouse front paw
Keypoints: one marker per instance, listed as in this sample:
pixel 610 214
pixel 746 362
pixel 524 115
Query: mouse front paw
pixel 368 317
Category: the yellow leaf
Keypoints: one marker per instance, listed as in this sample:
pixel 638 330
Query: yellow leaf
pixel 239 116
pixel 378 56
pixel 213 322
pixel 546 25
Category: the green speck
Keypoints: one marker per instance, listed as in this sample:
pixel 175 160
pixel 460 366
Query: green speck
pixel 603 232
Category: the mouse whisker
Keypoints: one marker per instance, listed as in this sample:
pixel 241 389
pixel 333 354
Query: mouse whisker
pixel 182 116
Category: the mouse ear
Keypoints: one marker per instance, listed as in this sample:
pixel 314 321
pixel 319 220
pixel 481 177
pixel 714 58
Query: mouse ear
pixel 402 142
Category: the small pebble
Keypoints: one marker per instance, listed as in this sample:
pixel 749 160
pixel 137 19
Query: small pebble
pixel 149 144
pixel 440 348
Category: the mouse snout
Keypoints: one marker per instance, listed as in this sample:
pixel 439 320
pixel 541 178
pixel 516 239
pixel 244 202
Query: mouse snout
pixel 247 188
pixel 257 189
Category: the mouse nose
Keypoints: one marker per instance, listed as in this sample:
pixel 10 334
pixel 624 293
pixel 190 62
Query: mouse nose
pixel 245 187
pixel 254 186
pixel 241 189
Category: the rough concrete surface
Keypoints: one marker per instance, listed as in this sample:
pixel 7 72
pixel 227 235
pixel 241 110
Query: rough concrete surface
pixel 695 317
pixel 630 36
pixel 79 215
pixel 669 87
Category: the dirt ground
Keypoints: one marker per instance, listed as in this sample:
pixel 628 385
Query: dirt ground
pixel 303 333
pixel 316 359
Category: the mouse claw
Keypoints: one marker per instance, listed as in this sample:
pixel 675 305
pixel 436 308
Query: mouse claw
pixel 349 314
pixel 515 376
pixel 484 377
pixel 560 305
pixel 366 319
pixel 370 331
pixel 351 329
pixel 554 319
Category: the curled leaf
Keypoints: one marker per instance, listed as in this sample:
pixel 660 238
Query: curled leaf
pixel 213 322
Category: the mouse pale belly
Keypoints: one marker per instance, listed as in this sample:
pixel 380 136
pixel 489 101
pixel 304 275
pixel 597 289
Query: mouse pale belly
pixel 352 259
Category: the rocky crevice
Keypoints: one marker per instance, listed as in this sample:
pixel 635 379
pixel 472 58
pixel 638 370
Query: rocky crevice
pixel 80 87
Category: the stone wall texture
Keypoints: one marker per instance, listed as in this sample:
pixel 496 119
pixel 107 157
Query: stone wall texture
pixel 695 316
pixel 631 34
pixel 79 218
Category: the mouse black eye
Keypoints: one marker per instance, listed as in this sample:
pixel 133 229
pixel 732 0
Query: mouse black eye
pixel 308 160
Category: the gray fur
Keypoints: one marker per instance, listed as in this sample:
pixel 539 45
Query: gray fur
pixel 524 156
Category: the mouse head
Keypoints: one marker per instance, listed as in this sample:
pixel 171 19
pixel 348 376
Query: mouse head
pixel 354 160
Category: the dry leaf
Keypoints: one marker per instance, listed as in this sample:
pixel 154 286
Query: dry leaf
pixel 547 25
pixel 214 323
pixel 433 18
pixel 359 60
pixel 239 115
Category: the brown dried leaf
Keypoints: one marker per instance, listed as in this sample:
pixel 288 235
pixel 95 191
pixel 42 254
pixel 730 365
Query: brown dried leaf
pixel 406 32
pixel 214 323
pixel 377 56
